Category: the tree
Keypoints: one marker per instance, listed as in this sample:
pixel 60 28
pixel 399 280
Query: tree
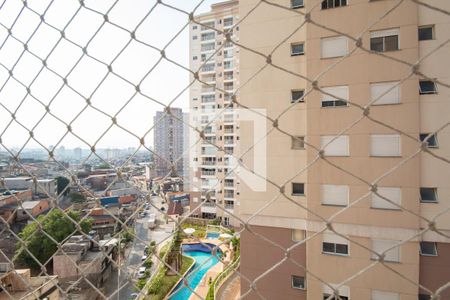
pixel 61 183
pixel 57 225
pixel 103 166
pixel 77 197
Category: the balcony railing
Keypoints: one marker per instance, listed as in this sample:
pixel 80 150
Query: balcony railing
pixel 209 173
pixel 229 206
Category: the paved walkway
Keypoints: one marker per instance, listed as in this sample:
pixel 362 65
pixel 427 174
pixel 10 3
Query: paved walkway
pixel 231 288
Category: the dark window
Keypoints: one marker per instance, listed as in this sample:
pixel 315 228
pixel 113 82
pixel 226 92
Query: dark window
pixel 333 248
pixel 432 141
pixel 297 49
pixel 297 96
pixel 333 103
pixel 424 297
pixel 333 3
pixel 298 188
pixel 194 37
pixel 297 3
pixel 298 282
pixel 194 58
pixel 327 297
pixel 428 194
pixel 194 27
pixel 384 43
pixel 426 33
pixel 428 249
pixel 427 87
pixel 298 142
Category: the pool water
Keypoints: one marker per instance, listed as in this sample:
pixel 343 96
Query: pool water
pixel 205 261
pixel 212 235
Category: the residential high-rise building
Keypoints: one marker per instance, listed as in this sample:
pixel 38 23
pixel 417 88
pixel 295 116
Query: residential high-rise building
pixel 217 62
pixel 319 198
pixel 168 142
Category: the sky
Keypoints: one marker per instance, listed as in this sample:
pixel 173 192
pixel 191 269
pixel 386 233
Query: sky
pixel 84 74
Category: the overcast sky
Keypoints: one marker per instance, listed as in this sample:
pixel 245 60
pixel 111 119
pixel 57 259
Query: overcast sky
pixel 163 84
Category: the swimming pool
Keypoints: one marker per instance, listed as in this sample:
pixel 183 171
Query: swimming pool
pixel 203 262
pixel 212 235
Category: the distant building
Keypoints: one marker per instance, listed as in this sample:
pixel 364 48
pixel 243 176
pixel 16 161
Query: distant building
pixel 19 284
pixel 88 256
pixel 168 142
pixel 30 209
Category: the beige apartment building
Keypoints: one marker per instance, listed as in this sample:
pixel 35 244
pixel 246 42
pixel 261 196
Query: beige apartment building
pixel 337 188
pixel 211 110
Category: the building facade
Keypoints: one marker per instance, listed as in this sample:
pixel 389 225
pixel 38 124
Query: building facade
pixel 168 142
pixel 324 92
pixel 212 110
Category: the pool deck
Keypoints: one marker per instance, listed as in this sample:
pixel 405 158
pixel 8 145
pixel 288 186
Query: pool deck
pixel 203 286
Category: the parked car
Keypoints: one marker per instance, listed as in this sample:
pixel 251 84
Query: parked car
pixel 142 214
pixel 144 257
pixel 133 296
pixel 141 272
pixel 152 221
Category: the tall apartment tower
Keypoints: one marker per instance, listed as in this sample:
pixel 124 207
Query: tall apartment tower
pixel 319 189
pixel 218 64
pixel 168 142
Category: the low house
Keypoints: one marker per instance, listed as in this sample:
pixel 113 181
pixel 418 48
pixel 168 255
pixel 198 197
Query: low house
pixel 19 284
pixel 33 208
pixel 87 257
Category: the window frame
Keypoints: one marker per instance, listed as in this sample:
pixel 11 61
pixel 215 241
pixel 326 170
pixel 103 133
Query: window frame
pixel 435 192
pixel 427 254
pixel 346 152
pixel 297 44
pixel 433 92
pixel 297 194
pixel 334 100
pixel 297 6
pixel 347 200
pixel 335 249
pixel 383 34
pixel 391 206
pixel 298 288
pixel 329 39
pixel 398 248
pixel 301 98
pixel 394 85
pixel 371 152
pixel 293 141
pixel 333 5
pixel 433 37
pixel 422 137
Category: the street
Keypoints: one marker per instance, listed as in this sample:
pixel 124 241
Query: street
pixel 124 277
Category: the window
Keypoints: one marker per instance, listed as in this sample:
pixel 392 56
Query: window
pixel 297 3
pixel 392 255
pixel 298 282
pixel 431 142
pixel 297 96
pixel 381 295
pixel 298 235
pixel 428 249
pixel 427 87
pixel 334 244
pixel 298 189
pixel 428 195
pixel 426 33
pixel 334 194
pixel 391 193
pixel 298 143
pixel 385 145
pixel 194 58
pixel 194 27
pixel 335 46
pixel 384 40
pixel 194 37
pixel 344 292
pixel 424 297
pixel 228 22
pixel 338 147
pixel 333 3
pixel 297 49
pixel 385 93
pixel 338 96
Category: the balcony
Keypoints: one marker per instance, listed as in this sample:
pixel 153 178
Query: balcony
pixel 228 130
pixel 229 142
pixel 209 89
pixel 229 206
pixel 209 173
pixel 208 207
pixel 208 36
pixel 208 99
pixel 208 68
pixel 209 163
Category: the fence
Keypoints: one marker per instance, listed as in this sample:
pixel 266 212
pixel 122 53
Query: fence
pixel 49 52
